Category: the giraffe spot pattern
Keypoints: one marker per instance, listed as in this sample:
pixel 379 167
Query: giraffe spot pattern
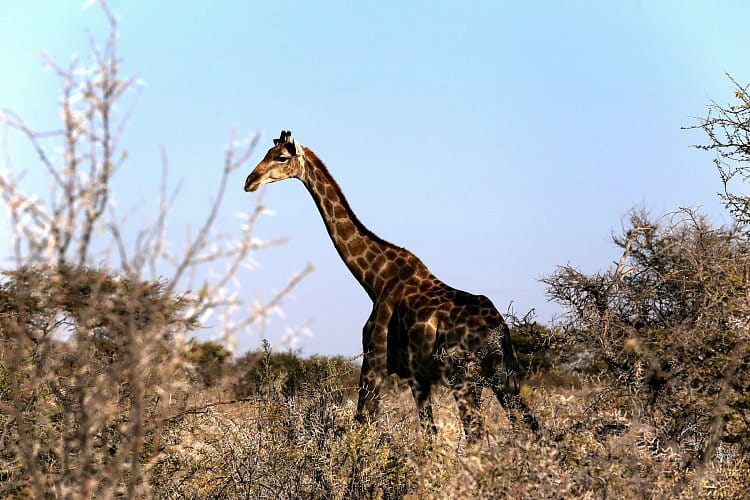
pixel 419 322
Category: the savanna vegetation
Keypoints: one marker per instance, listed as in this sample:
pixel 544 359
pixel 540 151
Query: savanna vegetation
pixel 642 388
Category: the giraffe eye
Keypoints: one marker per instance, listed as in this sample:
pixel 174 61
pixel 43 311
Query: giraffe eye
pixel 282 159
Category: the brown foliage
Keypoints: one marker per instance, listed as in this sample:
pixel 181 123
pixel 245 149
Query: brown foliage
pixel 88 359
pixel 670 324
pixel 308 446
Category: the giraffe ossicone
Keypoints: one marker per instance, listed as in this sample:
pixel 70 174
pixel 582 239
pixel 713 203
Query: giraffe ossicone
pixel 420 328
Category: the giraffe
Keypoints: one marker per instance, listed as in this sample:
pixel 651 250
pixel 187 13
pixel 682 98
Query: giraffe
pixel 420 328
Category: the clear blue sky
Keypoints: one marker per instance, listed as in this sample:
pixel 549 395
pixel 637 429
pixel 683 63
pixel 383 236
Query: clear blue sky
pixel 495 140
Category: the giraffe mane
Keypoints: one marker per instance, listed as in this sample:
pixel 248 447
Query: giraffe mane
pixel 313 158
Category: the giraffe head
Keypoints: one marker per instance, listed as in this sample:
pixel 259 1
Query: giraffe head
pixel 284 160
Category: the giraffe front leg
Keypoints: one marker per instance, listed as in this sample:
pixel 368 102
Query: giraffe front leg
pixel 374 364
pixel 370 378
pixel 468 398
pixel 467 392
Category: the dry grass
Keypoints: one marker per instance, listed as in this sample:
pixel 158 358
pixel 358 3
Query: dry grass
pixel 308 446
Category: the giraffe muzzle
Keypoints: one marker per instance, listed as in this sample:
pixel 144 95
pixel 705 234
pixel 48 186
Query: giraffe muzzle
pixel 251 183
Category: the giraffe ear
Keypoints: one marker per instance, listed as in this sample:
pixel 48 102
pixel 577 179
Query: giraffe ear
pixel 294 148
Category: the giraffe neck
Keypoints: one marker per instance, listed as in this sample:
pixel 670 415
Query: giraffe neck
pixel 363 252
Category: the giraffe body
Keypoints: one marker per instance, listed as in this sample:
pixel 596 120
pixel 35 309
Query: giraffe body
pixel 420 328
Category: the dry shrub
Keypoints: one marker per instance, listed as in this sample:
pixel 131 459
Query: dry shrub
pixel 210 359
pixel 94 312
pixel 309 446
pixel 667 331
pixel 597 440
pixel 263 372
pixel 583 454
pixel 79 411
pixel 282 445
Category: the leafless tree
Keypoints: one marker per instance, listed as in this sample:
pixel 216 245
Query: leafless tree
pixel 728 130
pixel 93 321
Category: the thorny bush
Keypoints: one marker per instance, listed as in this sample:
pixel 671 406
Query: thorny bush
pixel 667 330
pixel 78 411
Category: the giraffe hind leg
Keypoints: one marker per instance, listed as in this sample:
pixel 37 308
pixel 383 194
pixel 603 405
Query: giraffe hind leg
pixel 501 369
pixel 512 400
pixel 506 387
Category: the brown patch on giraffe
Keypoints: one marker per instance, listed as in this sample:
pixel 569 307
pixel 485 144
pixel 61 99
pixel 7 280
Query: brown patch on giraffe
pixel 388 272
pixel 416 336
pixel 369 276
pixel 424 314
pixel 390 254
pixel 357 245
pixel 384 315
pixel 344 230
pixel 378 263
pixel 475 321
pixel 362 262
pixel 379 359
pixel 405 272
pixel 472 342
pixel 327 205
pixel 339 212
